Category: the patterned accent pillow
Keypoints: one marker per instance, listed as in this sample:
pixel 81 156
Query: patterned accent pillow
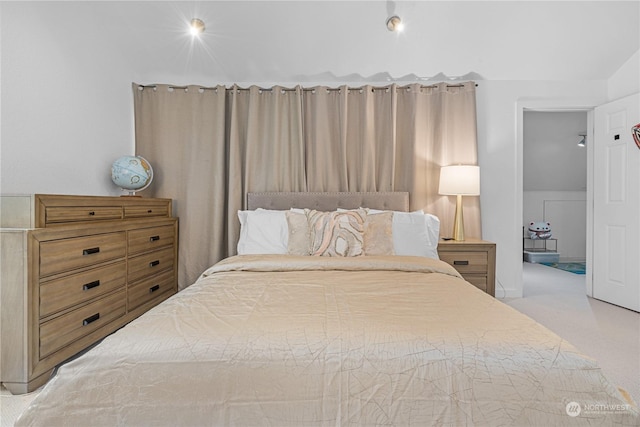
pixel 299 238
pixel 337 233
pixel 378 234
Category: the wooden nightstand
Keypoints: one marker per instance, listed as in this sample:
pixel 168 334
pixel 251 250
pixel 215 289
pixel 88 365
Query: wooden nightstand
pixel 475 259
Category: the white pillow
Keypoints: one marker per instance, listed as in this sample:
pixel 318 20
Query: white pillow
pixel 414 233
pixel 263 232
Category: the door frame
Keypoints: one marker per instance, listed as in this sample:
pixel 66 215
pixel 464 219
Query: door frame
pixel 556 105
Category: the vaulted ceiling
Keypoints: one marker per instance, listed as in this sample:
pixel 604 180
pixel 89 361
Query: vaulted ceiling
pixel 304 41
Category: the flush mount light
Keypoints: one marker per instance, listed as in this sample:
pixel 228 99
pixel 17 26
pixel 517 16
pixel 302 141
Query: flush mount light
pixel 395 24
pixel 196 27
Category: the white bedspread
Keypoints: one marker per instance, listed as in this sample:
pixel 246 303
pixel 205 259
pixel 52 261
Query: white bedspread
pixel 310 341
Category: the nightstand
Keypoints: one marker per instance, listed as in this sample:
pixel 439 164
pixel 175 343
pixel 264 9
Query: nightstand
pixel 474 259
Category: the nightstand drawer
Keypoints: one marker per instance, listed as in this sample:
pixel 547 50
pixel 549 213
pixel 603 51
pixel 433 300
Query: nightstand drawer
pixel 149 288
pixel 466 262
pixel 477 280
pixel 146 239
pixel 62 255
pixel 146 211
pixel 65 329
pixel 68 291
pixel 150 263
pixel 63 215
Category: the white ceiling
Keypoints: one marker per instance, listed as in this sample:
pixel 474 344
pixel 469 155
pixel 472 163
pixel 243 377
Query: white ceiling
pixel 321 41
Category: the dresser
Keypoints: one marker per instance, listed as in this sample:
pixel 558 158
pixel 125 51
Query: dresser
pixel 73 270
pixel 474 259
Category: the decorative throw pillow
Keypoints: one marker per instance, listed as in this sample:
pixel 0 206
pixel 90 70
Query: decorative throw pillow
pixel 299 238
pixel 337 233
pixel 414 233
pixel 378 234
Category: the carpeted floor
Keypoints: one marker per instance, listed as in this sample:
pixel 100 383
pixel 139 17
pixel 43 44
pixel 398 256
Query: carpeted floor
pixel 571 267
pixel 603 331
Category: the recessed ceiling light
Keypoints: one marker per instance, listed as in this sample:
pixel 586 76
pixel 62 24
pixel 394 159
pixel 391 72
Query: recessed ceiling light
pixel 395 24
pixel 196 27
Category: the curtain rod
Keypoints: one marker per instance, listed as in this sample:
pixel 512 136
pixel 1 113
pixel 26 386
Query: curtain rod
pixel 201 88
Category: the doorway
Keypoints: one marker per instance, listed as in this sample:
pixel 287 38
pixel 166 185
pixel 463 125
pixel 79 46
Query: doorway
pixel 555 188
pixel 586 106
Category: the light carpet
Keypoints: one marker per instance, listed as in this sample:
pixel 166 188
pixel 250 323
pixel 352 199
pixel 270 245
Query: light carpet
pixel 608 333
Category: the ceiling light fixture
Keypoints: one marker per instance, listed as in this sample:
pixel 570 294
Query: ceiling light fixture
pixel 196 27
pixel 395 24
pixel 583 141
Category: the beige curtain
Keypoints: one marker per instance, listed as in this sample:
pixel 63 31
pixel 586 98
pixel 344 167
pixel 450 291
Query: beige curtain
pixel 210 146
pixel 393 139
pixel 265 148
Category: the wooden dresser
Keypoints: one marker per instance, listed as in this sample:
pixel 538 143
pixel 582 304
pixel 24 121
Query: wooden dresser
pixel 474 259
pixel 74 269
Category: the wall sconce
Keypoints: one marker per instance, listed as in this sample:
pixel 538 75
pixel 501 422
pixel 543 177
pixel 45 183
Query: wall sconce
pixel 395 24
pixel 196 27
pixel 583 141
pixel 459 181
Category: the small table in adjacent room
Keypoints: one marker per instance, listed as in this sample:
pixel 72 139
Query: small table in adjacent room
pixel 540 250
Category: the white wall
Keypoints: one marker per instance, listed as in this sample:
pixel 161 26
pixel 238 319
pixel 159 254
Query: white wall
pixel 67 109
pixel 625 81
pixel 500 112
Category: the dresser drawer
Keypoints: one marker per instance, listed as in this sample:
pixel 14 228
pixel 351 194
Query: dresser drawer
pixel 58 256
pixel 149 288
pixel 141 211
pixel 62 215
pixel 68 291
pixel 150 263
pixel 146 239
pixel 466 262
pixel 63 330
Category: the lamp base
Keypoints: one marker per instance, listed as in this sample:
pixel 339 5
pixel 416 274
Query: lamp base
pixel 458 223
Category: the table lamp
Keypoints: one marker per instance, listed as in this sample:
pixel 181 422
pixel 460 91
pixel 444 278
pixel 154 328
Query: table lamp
pixel 459 180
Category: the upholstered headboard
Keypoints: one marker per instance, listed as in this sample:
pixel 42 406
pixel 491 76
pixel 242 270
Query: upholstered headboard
pixel 385 200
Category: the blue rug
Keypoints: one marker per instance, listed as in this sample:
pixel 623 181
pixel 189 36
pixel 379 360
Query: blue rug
pixel 572 267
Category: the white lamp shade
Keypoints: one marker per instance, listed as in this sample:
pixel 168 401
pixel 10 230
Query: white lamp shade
pixel 459 179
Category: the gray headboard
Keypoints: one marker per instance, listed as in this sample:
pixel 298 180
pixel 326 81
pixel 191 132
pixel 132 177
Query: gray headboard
pixel 330 201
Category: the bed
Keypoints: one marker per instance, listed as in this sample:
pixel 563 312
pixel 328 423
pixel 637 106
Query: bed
pixel 297 340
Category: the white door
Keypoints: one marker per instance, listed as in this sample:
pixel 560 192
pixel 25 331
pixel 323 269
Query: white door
pixel 616 199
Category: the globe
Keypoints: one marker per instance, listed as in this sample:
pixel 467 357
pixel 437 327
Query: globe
pixel 132 173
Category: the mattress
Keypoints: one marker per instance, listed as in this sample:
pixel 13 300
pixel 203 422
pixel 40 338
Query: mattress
pixel 316 341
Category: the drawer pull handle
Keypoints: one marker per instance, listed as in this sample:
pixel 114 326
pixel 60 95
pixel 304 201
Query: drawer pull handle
pixel 460 262
pixel 91 285
pixel 92 213
pixel 154 238
pixel 91 251
pixel 154 288
pixel 90 319
pixel 154 263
